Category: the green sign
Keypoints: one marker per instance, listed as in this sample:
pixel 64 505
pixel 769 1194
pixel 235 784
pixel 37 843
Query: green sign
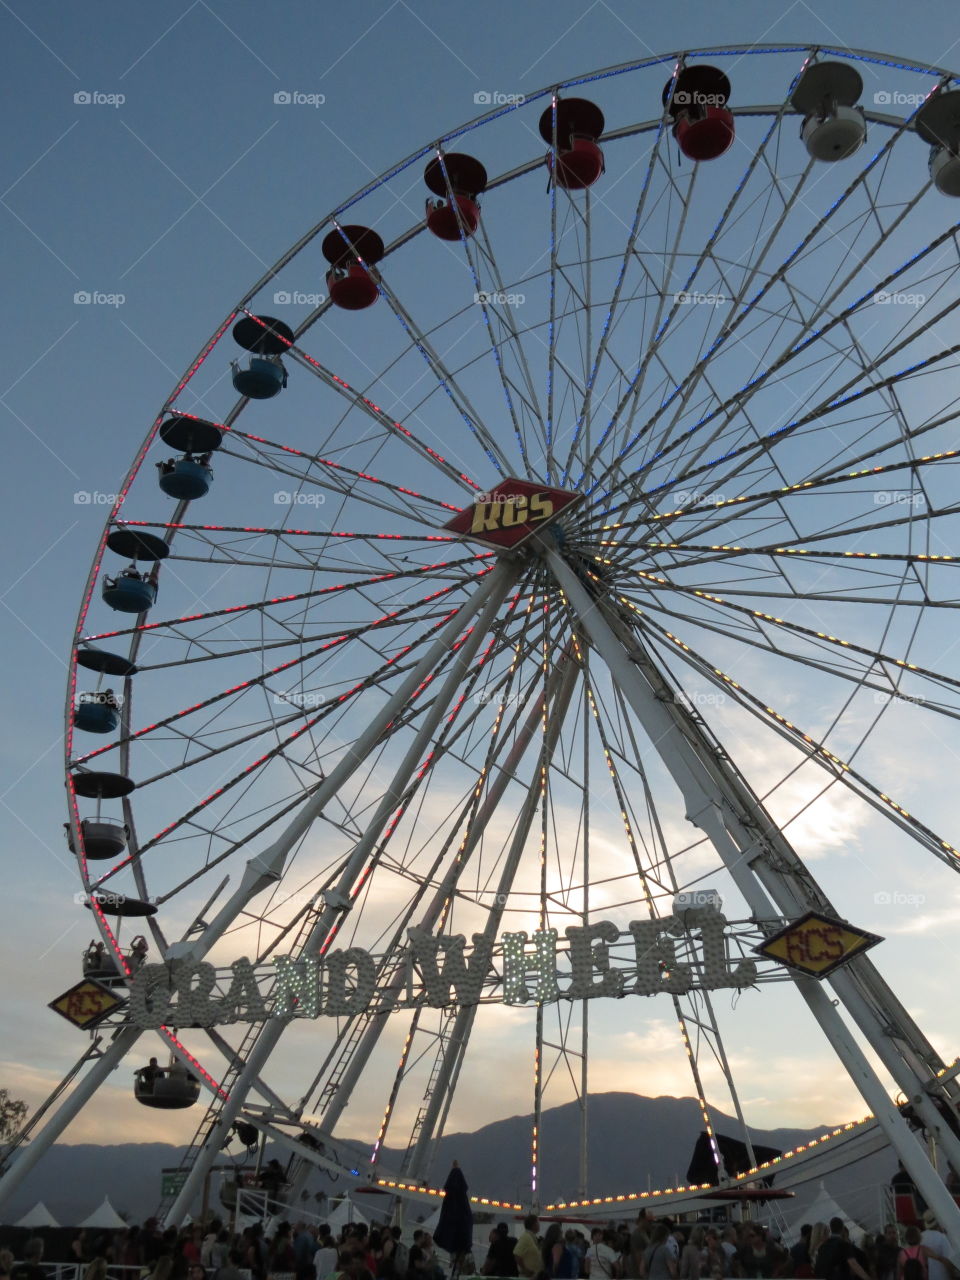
pixel 171 1181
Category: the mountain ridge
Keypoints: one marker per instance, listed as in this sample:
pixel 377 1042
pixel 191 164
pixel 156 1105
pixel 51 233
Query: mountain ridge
pixel 634 1144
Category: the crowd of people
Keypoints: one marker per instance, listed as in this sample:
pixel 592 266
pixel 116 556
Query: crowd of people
pixel 664 1250
pixel 646 1250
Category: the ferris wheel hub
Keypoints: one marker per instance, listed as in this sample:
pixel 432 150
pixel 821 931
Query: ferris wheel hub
pixel 510 513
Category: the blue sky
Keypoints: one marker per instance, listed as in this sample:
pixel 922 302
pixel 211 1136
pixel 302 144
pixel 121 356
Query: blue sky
pixel 163 197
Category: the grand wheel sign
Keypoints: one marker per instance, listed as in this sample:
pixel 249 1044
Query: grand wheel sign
pixel 511 512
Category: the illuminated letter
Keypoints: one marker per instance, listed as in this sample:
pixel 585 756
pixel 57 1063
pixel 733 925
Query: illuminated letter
pixel 243 1002
pixel 466 979
pixel 150 993
pixel 587 960
pixel 517 966
pixel 338 1000
pixel 297 990
pixel 717 972
pixel 194 1006
pixel 657 968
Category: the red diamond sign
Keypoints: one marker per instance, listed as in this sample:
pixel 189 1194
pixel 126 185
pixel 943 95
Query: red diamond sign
pixel 511 512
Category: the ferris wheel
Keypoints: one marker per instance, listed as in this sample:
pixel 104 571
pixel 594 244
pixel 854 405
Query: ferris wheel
pixel 576 548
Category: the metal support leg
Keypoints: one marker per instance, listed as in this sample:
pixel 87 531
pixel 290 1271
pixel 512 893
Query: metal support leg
pixel 706 807
pixel 68 1111
pixel 489 598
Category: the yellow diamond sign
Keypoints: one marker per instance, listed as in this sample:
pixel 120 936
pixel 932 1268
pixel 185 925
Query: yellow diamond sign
pixel 86 1003
pixel 816 944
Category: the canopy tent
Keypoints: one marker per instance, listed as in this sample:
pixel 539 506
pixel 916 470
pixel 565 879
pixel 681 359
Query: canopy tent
pixel 39 1216
pixel 346 1211
pixel 105 1218
pixel 430 1223
pixel 822 1209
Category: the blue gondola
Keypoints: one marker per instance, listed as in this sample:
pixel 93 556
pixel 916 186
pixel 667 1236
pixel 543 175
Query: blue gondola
pixel 129 592
pixel 263 378
pixel 97 712
pixel 185 478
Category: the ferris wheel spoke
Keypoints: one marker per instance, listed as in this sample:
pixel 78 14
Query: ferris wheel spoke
pixel 392 427
pixel 390 667
pixel 730 328
pixel 479 806
pixel 646 877
pixel 258 606
pixel 447 382
pixel 807 335
pixel 810 746
pixel 582 425
pixel 353 476
pixel 864 679
pixel 728 410
pixel 505 343
pixel 881 665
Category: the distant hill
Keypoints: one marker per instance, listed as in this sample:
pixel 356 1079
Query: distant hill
pixel 634 1143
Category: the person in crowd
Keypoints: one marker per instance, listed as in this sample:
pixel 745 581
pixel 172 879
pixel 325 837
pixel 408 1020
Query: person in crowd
pixel 690 1266
pixel 163 1267
pixel 29 1268
pixel 818 1237
pixel 325 1258
pixel 941 1262
pixel 602 1260
pixel 304 1247
pixel 759 1256
pixel 713 1261
pixel 912 1258
pixel 638 1242
pixel 659 1258
pixel 500 1259
pixel 801 1261
pixel 196 1271
pixel 527 1250
pixel 836 1258
pixel 96 1270
pixel 231 1268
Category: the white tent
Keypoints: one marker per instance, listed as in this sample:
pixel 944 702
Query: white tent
pixel 431 1223
pixel 346 1211
pixel 39 1216
pixel 105 1218
pixel 822 1209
